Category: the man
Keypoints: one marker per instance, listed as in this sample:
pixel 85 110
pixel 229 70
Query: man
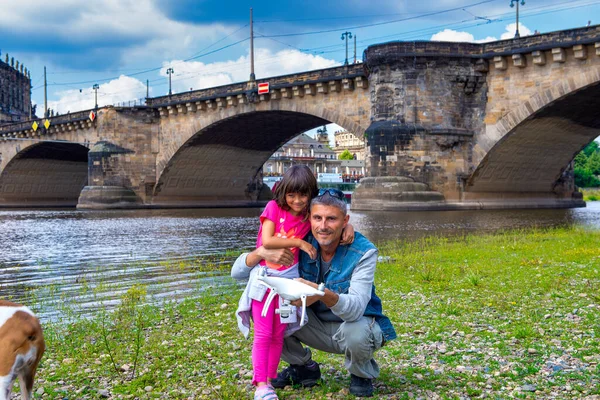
pixel 348 319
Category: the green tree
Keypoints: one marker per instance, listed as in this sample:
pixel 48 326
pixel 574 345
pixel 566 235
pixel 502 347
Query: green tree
pixel 593 163
pixel 346 155
pixel 584 178
pixel 591 148
pixel 580 160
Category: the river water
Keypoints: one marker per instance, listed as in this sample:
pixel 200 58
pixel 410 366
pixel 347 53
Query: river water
pixel 82 260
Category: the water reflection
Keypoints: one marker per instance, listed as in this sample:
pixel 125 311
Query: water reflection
pixel 88 258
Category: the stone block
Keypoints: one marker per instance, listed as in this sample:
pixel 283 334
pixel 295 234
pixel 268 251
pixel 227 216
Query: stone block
pixel 500 63
pixel 580 51
pixel 322 87
pixel 334 86
pixel 559 55
pixel 310 89
pixel 361 82
pixel 232 101
pixel 191 107
pixel 482 65
pixel 298 91
pixel 348 84
pixel 597 47
pixel 539 57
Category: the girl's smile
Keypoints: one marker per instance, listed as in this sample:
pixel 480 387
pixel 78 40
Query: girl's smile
pixel 297 202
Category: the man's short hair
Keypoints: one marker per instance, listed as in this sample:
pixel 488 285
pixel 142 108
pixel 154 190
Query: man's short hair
pixel 326 199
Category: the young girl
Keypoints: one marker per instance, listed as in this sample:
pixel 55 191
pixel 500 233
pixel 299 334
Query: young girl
pixel 284 224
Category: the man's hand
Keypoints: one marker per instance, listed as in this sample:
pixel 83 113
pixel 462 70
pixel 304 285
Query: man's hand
pixel 276 256
pixel 330 298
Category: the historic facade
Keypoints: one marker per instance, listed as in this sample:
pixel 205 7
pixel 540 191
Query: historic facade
pixel 15 91
pixel 302 150
pixel 345 140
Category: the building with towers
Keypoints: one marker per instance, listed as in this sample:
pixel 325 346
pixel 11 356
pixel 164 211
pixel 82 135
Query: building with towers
pixel 15 91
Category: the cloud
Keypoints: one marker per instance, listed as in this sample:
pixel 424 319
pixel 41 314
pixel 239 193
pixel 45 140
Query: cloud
pixel 449 35
pixel 123 89
pixel 511 28
pixel 129 30
pixel 198 75
pixel 190 74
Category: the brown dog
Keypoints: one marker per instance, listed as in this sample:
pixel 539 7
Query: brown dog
pixel 21 348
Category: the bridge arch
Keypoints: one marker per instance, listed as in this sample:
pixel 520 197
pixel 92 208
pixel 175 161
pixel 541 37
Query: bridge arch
pixel 218 159
pixel 529 149
pixel 44 174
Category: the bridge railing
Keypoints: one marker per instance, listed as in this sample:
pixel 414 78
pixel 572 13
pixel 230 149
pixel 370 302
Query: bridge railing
pixel 277 82
pixel 56 120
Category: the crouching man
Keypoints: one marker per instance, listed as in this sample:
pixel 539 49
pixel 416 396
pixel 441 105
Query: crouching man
pixel 348 319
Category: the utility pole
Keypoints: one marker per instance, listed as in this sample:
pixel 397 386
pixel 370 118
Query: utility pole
pixel 345 36
pixel 517 35
pixel 45 94
pixel 147 88
pixel 252 76
pixel 96 87
pixel 170 72
pixel 354 49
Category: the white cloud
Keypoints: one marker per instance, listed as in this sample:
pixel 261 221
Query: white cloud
pixel 190 74
pixel 449 35
pixel 198 75
pixel 511 28
pixel 123 89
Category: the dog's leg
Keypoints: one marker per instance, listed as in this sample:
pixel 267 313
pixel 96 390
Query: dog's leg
pixel 6 385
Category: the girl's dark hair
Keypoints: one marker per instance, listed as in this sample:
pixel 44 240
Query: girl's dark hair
pixel 297 179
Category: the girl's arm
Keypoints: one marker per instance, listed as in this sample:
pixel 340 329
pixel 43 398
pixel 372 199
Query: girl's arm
pixel 347 235
pixel 270 241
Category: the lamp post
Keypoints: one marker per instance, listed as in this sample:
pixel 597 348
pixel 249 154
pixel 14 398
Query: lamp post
pixel 512 4
pixel 96 87
pixel 345 36
pixel 170 72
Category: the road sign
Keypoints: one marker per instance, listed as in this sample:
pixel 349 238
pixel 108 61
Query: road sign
pixel 263 88
pixel 47 124
pixel 34 126
pixel 92 116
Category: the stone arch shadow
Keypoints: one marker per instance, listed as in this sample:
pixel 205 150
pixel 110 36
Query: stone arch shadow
pixel 221 163
pixel 530 149
pixel 47 174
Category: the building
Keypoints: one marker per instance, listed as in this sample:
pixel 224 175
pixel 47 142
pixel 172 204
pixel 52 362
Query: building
pixel 345 140
pixel 303 150
pixel 15 91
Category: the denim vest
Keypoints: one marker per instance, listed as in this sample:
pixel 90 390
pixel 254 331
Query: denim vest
pixel 337 280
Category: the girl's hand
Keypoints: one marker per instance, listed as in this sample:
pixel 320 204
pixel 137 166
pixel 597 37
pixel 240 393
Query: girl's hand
pixel 347 235
pixel 309 249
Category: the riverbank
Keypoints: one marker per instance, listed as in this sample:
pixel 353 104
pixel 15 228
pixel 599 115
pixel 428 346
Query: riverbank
pixel 502 315
pixel 591 194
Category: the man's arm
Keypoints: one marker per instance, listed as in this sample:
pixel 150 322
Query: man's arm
pixel 350 306
pixel 246 261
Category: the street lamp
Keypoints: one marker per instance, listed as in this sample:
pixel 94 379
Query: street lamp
pixel 96 87
pixel 170 72
pixel 345 36
pixel 512 4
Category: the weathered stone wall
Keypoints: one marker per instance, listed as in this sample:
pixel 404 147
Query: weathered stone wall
pixel 437 103
pixel 15 91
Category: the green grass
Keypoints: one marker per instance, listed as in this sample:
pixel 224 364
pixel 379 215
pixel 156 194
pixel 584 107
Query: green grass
pixel 475 315
pixel 590 194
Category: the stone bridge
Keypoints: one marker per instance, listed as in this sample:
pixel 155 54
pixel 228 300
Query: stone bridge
pixel 483 125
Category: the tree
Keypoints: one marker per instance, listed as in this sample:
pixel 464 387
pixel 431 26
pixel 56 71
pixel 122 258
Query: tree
pixel 593 163
pixel 591 148
pixel 584 178
pixel 346 155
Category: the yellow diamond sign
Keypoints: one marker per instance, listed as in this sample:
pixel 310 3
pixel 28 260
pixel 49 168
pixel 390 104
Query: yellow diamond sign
pixel 47 124
pixel 34 126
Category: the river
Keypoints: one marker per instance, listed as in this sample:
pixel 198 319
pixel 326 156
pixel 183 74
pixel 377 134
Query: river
pixel 82 260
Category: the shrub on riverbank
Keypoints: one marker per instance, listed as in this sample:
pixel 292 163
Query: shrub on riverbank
pixel 590 194
pixel 506 315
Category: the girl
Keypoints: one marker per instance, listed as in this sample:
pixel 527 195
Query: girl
pixel 284 224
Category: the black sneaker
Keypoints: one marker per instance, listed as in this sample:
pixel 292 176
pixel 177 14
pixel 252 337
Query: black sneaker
pixel 361 387
pixel 297 375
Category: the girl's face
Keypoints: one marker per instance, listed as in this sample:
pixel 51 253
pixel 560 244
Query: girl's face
pixel 297 202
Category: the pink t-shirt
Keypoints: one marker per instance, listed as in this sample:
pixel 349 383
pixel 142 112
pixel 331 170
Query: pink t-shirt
pixel 287 225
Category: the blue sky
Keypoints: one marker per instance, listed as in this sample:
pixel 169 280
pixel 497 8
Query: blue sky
pixel 120 44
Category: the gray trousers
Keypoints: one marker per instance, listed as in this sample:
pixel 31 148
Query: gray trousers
pixel 357 340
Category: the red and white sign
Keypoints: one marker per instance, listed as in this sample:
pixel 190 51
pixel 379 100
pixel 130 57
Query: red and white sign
pixel 263 88
pixel 92 116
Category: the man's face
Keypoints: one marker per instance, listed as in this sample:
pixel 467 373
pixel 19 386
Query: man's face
pixel 327 223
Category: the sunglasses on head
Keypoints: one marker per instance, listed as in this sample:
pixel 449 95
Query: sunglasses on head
pixel 338 194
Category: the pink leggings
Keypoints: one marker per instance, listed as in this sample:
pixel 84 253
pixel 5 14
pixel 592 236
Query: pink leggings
pixel 268 340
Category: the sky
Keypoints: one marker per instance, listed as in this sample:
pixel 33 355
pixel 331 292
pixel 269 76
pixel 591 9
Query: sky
pixel 126 47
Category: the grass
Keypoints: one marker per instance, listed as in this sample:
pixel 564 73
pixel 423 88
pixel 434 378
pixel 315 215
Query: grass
pixel 591 194
pixel 491 316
